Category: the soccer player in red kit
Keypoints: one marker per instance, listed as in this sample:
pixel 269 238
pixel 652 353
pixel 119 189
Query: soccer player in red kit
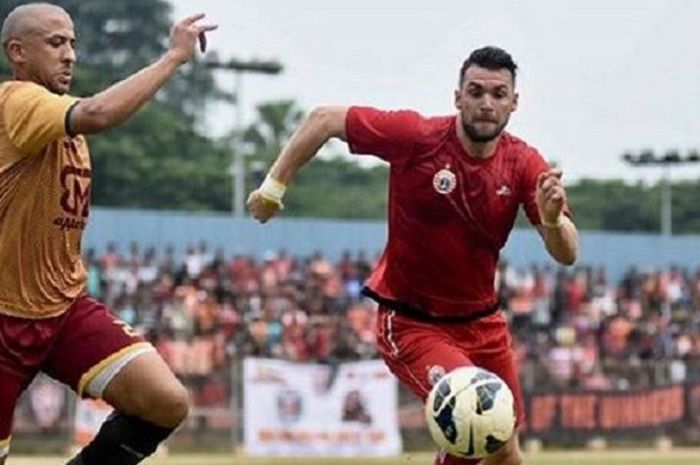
pixel 456 183
pixel 47 323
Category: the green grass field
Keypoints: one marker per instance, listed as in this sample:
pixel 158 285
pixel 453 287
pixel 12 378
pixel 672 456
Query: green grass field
pixel 618 457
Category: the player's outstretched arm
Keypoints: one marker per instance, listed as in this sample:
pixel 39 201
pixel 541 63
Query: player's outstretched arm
pixel 117 103
pixel 321 125
pixel 558 231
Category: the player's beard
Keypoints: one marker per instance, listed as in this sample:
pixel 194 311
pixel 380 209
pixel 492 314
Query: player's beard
pixel 475 135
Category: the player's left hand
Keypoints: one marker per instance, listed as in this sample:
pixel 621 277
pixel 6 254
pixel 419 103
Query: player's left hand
pixel 550 195
pixel 186 33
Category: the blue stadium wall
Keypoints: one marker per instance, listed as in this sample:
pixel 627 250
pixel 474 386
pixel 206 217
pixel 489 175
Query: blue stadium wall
pixel 300 237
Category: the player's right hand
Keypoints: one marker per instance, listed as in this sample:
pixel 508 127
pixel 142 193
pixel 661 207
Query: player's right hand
pixel 261 207
pixel 185 34
pixel 550 195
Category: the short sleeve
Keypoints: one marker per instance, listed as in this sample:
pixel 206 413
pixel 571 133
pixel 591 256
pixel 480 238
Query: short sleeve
pixel 534 165
pixel 33 116
pixel 390 135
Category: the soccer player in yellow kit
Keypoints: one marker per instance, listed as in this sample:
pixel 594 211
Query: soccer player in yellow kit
pixel 47 322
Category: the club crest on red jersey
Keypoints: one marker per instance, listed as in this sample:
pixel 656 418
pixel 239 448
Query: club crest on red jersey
pixel 444 181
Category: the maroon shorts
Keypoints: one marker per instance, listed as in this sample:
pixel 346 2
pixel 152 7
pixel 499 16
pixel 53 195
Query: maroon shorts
pixel 78 348
pixel 418 352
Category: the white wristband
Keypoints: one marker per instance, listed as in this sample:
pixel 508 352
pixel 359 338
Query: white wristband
pixel 555 224
pixel 272 190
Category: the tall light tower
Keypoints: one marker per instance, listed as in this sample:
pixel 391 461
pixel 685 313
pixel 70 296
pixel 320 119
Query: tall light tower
pixel 666 162
pixel 238 171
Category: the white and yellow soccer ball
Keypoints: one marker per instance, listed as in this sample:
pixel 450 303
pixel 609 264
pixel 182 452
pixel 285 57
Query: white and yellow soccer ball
pixel 470 412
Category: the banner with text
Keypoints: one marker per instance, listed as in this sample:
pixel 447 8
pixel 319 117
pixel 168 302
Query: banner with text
pixel 635 412
pixel 311 409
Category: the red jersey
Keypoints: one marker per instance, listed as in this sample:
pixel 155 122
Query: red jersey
pixel 449 213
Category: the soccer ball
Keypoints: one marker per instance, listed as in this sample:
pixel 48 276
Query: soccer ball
pixel 470 412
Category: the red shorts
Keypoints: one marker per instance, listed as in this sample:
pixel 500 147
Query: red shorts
pixel 83 348
pixel 418 352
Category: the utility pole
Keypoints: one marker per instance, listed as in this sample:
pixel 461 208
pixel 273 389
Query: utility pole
pixel 238 171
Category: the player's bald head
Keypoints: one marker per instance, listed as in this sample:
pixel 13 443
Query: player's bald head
pixel 27 19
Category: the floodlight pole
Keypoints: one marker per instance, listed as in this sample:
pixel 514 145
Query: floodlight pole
pixel 238 164
pixel 666 202
pixel 666 162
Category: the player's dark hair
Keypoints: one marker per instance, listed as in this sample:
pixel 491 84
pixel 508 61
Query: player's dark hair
pixel 489 57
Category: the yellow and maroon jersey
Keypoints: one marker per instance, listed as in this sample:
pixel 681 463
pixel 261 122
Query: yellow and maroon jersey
pixel 44 202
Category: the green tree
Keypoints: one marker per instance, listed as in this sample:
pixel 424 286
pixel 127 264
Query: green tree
pixel 339 188
pixel 274 124
pixel 686 208
pixel 613 205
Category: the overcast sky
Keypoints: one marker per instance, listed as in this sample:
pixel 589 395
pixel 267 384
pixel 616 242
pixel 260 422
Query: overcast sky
pixel 597 77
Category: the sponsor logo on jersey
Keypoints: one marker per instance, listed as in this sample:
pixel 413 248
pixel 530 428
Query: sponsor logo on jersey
pixel 503 191
pixel 75 200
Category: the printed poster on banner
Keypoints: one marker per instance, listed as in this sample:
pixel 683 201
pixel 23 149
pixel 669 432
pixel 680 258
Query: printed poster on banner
pixel 298 409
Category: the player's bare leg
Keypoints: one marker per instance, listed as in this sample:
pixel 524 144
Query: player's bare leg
pixel 146 388
pixel 509 454
pixel 149 404
pixel 4 450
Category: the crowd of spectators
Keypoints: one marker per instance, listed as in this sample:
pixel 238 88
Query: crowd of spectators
pixel 572 328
